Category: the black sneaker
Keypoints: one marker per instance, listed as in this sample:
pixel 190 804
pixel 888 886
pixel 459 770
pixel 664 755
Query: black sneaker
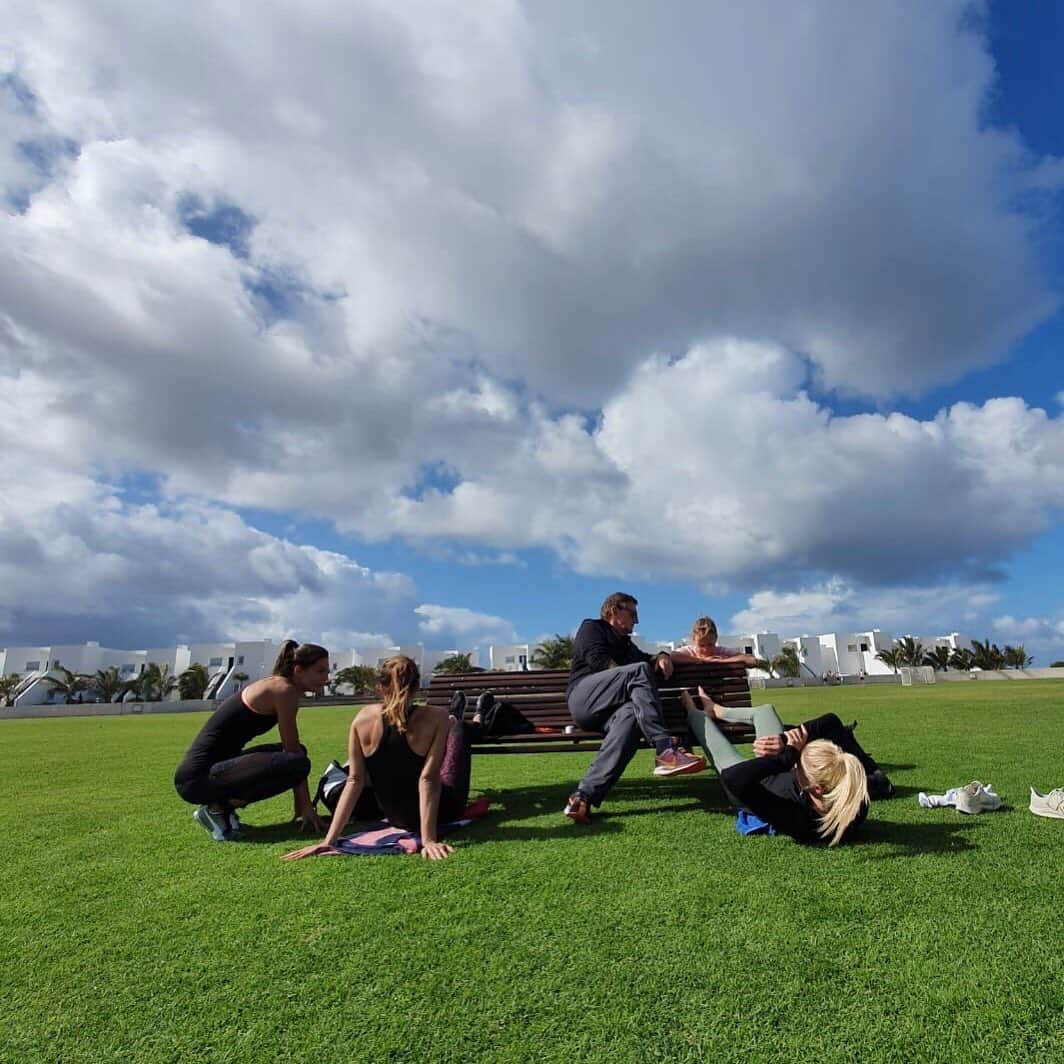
pixel 484 702
pixel 458 704
pixel 879 787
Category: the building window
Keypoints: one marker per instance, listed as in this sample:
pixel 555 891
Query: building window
pixel 127 669
pixel 748 650
pixel 851 647
pixel 864 648
pixel 240 660
pixel 214 663
pixel 509 660
pixel 32 666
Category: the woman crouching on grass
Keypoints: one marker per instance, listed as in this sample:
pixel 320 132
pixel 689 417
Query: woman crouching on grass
pixel 221 774
pixel 811 782
pixel 417 757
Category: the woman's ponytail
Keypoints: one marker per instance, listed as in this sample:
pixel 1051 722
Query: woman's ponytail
pixel 293 654
pixel 843 783
pixel 398 679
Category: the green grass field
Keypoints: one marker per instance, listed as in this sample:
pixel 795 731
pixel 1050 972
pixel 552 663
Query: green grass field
pixel 656 934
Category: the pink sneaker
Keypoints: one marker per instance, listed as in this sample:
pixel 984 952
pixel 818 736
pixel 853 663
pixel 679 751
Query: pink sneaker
pixel 676 761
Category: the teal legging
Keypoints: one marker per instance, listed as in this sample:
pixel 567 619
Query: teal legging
pixel 720 750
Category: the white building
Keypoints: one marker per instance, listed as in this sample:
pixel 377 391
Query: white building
pixel 512 657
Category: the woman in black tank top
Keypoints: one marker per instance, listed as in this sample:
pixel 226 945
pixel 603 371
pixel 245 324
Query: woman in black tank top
pixel 417 759
pixel 221 773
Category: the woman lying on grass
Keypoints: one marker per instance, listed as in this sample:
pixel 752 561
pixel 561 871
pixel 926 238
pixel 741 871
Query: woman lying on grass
pixel 221 775
pixel 417 757
pixel 812 782
pixel 703 647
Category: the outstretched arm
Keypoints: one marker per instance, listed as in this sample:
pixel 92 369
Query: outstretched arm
pixel 356 780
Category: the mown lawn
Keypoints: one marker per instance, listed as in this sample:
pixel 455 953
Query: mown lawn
pixel 656 934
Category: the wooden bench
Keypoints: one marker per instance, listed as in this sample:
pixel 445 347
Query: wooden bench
pixel 540 696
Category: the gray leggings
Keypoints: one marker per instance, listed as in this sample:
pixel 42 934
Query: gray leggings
pixel 720 750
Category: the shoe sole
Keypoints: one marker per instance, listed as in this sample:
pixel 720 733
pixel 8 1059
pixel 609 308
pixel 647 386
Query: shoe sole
pixel 663 771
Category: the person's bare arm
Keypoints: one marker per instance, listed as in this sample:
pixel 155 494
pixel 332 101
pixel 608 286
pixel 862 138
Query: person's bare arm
pixel 429 791
pixel 356 780
pixel 286 705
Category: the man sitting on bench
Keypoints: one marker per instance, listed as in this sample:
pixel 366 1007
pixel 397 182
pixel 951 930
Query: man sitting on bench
pixel 613 689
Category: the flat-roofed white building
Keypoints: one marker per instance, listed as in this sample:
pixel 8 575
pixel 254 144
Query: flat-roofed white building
pixel 509 657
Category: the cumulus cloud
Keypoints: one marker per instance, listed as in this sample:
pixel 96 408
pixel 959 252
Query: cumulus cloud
pixel 442 626
pixel 837 605
pixel 467 274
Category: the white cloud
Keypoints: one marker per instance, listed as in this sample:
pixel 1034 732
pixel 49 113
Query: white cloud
pixel 458 222
pixel 442 626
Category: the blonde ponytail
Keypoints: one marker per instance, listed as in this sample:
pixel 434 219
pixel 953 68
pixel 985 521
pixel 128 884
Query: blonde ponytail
pixel 398 679
pixel 843 783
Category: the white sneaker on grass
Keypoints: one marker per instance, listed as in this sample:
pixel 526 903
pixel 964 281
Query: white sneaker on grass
pixel 216 823
pixel 975 798
pixel 1051 804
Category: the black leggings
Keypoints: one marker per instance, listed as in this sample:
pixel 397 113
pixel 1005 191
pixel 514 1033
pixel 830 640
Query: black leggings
pixel 254 774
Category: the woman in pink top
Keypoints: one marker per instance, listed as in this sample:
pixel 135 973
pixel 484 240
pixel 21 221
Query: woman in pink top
pixel 703 647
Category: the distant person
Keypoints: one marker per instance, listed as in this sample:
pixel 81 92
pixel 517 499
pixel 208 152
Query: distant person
pixel 221 774
pixel 418 758
pixel 613 689
pixel 702 647
pixel 812 782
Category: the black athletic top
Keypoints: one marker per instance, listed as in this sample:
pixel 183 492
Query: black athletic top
pixel 768 787
pixel 226 732
pixel 396 771
pixel 596 645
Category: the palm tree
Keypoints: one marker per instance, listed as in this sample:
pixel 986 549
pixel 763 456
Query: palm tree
pixel 1057 665
pixel 1017 657
pixel 156 682
pixel 240 677
pixel 8 686
pixel 938 658
pixel 961 659
pixel 765 666
pixel 910 651
pixel 556 653
pixel 360 678
pixel 889 657
pixel 987 655
pixel 192 683
pixel 786 661
pixel 68 684
pixel 453 664
pixel 106 683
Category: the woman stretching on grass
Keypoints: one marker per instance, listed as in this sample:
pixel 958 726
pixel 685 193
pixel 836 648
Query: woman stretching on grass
pixel 811 782
pixel 221 774
pixel 417 757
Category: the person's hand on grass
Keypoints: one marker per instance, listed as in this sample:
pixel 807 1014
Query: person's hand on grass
pixel 310 822
pixel 319 849
pixel 436 851
pixel 768 746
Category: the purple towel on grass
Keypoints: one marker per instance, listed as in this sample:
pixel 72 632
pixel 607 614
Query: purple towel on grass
pixel 382 838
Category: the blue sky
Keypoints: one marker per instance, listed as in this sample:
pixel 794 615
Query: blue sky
pixel 436 322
